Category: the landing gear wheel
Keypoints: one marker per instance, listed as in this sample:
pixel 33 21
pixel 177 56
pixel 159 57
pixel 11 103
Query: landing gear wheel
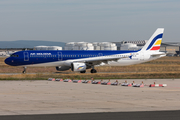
pixel 24 71
pixel 83 71
pixel 93 71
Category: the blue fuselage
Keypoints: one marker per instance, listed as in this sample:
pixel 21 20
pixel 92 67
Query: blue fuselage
pixel 23 58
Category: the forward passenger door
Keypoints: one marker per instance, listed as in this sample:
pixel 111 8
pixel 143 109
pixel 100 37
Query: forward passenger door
pixel 26 56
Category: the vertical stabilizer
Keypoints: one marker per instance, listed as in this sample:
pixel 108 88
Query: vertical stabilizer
pixel 154 42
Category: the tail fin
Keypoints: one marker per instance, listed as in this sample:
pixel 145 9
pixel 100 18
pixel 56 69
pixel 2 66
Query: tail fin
pixel 154 42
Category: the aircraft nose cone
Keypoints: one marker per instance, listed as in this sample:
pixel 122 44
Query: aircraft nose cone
pixel 8 61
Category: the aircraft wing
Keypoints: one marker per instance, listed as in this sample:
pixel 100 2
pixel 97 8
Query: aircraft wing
pixel 103 59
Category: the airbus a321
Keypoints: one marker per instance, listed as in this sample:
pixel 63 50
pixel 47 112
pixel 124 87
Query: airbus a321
pixel 80 60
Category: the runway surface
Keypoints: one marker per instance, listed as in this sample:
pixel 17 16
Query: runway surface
pixel 52 97
pixel 52 100
pixel 151 115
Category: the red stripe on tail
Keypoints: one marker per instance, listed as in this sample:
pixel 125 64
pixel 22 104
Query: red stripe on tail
pixel 155 48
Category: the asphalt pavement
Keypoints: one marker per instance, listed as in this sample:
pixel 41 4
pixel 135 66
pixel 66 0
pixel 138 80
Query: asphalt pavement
pixel 150 115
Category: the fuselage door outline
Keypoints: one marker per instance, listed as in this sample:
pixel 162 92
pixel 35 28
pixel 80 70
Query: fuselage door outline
pixel 26 56
pixel 60 56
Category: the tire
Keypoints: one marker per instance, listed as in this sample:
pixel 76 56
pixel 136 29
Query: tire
pixel 83 71
pixel 93 71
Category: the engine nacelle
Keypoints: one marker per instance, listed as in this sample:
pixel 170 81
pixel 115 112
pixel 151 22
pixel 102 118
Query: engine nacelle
pixel 78 67
pixel 62 68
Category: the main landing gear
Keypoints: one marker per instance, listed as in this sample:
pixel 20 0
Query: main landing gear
pixel 93 71
pixel 24 71
pixel 83 71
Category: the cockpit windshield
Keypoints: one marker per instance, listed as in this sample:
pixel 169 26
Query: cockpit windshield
pixel 14 55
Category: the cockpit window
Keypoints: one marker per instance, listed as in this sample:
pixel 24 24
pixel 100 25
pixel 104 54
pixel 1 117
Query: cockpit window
pixel 14 55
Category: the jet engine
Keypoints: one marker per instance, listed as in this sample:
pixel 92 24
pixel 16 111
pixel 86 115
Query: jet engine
pixel 78 67
pixel 62 68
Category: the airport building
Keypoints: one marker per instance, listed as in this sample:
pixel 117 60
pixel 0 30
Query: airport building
pixel 130 45
pixel 79 46
pixel 172 48
pixel 90 46
pixel 47 48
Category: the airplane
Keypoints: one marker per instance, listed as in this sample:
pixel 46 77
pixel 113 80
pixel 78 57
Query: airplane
pixel 80 60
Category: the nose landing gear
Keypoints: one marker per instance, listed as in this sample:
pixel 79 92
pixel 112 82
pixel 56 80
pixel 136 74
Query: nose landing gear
pixel 24 71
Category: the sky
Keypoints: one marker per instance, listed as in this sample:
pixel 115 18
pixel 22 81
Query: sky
pixel 88 20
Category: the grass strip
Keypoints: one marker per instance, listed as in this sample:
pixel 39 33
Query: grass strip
pixel 140 75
